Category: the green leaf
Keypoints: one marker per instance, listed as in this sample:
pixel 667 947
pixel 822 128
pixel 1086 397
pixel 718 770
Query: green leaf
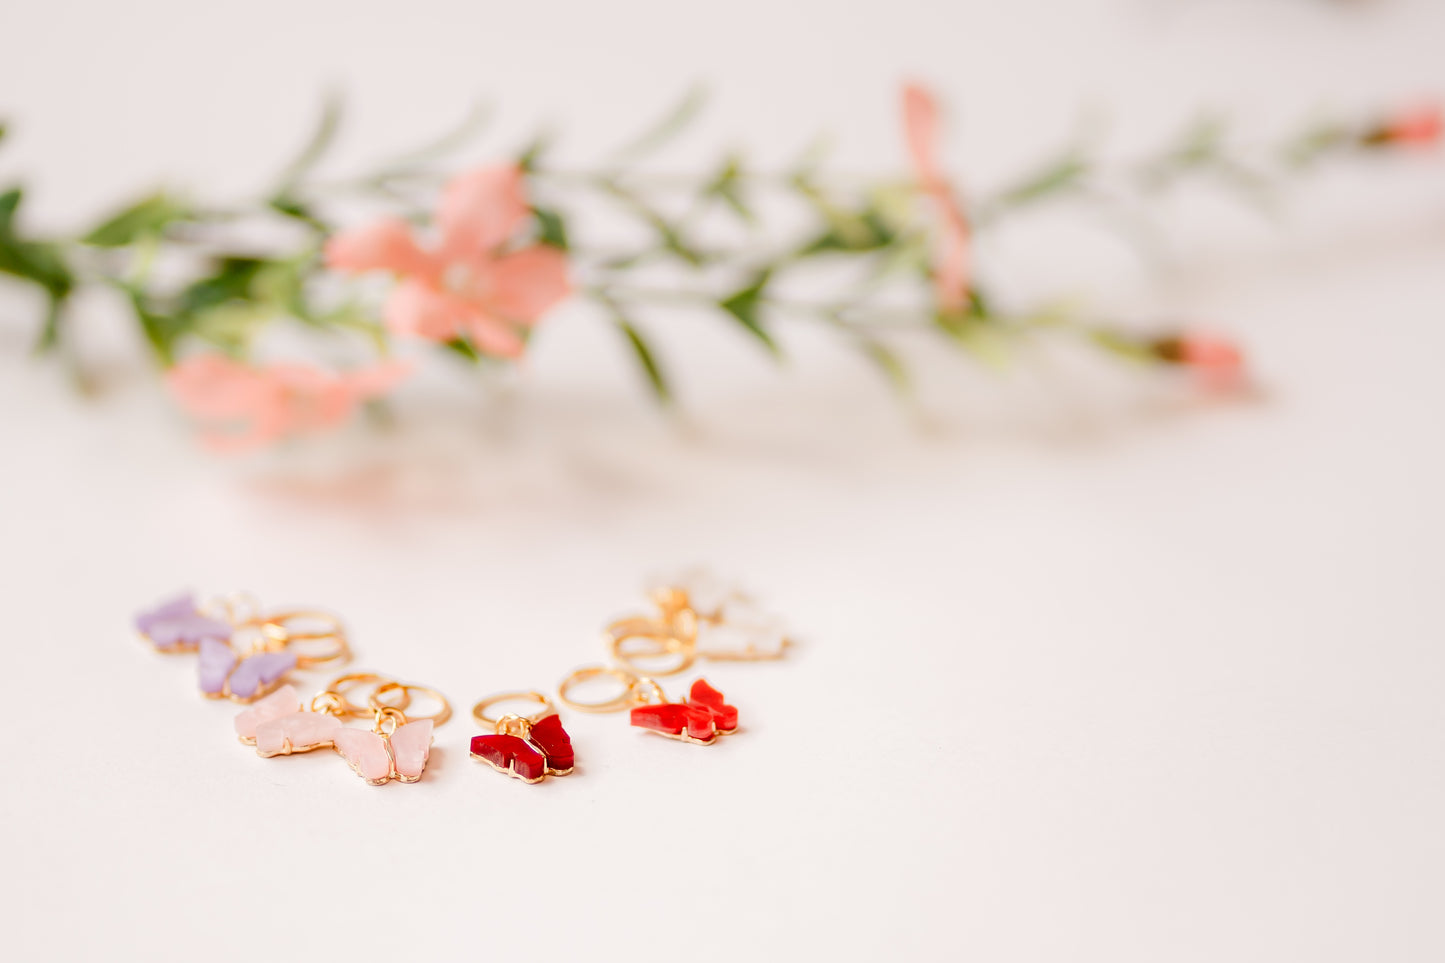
pixel 976 335
pixel 160 330
pixel 477 118
pixel 297 210
pixel 726 186
pixel 463 348
pixel 672 123
pixel 646 359
pixel 746 306
pixel 148 216
pixel 531 156
pixel 551 228
pixel 36 261
pixel 232 280
pixel 315 148
pixel 889 363
pixel 1123 345
pixel 1065 174
pixel 669 236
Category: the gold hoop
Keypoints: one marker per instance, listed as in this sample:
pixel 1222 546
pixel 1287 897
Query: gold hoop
pixel 632 695
pixel 330 703
pixel 276 629
pixel 676 634
pixel 479 710
pixel 280 622
pixel 344 683
pixel 440 716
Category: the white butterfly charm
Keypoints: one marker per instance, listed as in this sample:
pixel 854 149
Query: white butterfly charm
pixel 731 625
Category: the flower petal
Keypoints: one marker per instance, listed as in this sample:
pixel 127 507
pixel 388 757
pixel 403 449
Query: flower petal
pixel 212 386
pixel 379 379
pixel 417 308
pixel 385 245
pixel 495 337
pixel 479 210
pixel 952 271
pixel 528 284
pixel 920 130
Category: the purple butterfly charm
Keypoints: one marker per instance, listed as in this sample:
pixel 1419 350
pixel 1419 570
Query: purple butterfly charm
pixel 178 626
pixel 222 674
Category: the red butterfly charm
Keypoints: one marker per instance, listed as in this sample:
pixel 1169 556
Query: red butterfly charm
pixel 700 719
pixel 529 751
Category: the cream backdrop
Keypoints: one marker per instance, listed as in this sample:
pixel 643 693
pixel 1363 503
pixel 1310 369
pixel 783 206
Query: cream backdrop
pixel 1087 671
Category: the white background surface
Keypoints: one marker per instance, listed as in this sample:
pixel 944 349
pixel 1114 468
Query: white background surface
pixel 1088 672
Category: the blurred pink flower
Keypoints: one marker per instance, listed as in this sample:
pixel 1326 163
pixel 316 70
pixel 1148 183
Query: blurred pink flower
pixel 468 284
pixel 244 407
pixel 1219 363
pixel 953 262
pixel 1420 126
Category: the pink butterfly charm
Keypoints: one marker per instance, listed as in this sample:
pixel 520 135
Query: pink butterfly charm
pixel 379 757
pixel 277 726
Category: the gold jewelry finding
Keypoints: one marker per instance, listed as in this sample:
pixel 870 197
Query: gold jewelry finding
pixel 479 711
pixel 637 690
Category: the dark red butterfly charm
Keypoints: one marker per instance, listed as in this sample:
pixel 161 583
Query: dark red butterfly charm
pixel 529 751
pixel 701 718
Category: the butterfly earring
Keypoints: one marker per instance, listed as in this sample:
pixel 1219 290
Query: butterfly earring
pixel 395 747
pixel 243 654
pixel 700 718
pixel 528 748
pixel 277 725
pixel 697 617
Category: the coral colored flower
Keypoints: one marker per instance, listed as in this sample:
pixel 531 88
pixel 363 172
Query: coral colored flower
pixel 954 260
pixel 245 407
pixel 469 284
pixel 1218 362
pixel 1418 127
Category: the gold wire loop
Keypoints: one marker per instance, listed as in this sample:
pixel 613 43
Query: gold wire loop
pixel 514 725
pixel 444 710
pixel 385 715
pixel 682 615
pixel 479 711
pixel 238 608
pixel 343 684
pixel 637 690
pixel 330 703
pixel 665 641
pixel 323 644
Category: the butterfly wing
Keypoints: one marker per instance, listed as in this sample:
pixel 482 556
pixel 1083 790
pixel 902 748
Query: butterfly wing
pixel 177 625
pixel 511 755
pixel 677 721
pixel 724 716
pixel 147 621
pixel 257 673
pixel 366 752
pixel 215 662
pixel 410 748
pixel 296 732
pixel 282 702
pixel 549 736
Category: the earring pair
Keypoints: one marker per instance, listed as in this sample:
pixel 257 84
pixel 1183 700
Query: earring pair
pixel 697 617
pixel 396 747
pixel 242 652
